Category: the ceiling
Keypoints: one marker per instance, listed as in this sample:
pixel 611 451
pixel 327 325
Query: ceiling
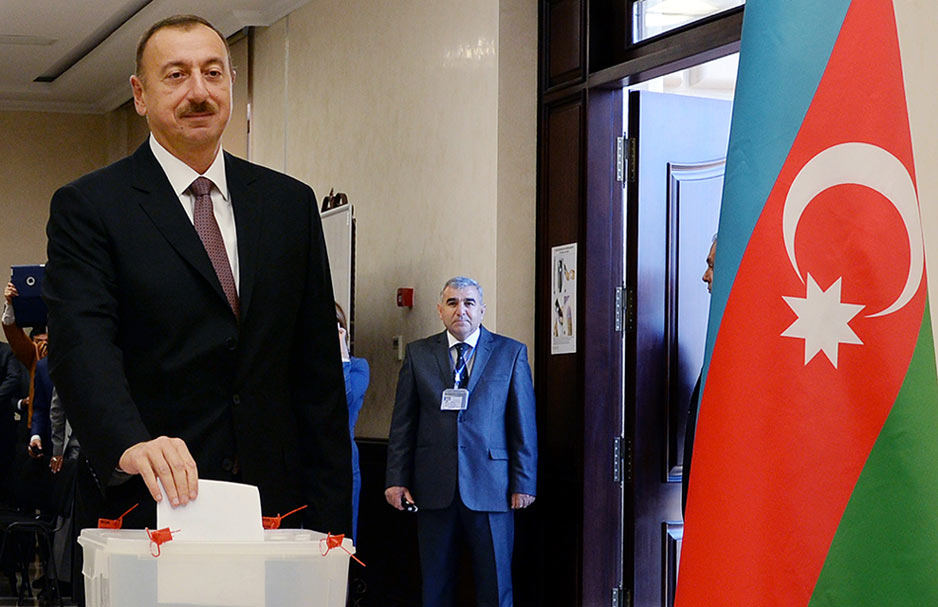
pixel 83 51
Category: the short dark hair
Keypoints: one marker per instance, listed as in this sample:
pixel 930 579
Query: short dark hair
pixel 36 331
pixel 184 22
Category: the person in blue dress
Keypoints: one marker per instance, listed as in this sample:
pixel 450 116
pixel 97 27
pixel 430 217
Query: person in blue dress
pixel 356 383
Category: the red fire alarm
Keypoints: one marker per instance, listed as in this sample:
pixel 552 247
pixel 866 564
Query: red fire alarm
pixel 405 297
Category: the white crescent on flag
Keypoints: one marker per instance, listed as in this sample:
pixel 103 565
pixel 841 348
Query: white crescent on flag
pixel 866 165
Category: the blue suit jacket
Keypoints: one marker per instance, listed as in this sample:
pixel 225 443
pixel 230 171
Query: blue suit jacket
pixel 491 447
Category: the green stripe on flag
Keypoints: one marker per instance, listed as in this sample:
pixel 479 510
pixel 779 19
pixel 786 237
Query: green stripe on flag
pixel 885 551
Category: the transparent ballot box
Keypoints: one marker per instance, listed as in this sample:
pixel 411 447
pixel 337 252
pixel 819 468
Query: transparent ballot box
pixel 290 568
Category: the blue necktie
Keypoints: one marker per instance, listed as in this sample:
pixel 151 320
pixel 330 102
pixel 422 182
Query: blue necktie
pixel 461 372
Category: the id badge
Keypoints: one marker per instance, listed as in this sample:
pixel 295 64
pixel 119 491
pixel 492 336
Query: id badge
pixel 455 399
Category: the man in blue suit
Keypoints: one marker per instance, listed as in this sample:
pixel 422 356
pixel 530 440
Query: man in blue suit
pixel 463 447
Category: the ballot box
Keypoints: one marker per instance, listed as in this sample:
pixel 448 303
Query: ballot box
pixel 289 568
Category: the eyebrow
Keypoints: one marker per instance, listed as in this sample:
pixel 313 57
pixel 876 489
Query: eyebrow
pixel 453 300
pixel 171 64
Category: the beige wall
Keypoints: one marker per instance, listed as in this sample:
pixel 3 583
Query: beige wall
pixel 914 20
pixel 425 115
pixel 235 139
pixel 38 153
pixel 41 151
pixel 126 130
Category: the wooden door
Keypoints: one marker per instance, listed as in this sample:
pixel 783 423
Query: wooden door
pixel 672 210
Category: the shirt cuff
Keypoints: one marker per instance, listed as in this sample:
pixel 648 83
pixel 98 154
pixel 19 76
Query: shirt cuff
pixel 9 318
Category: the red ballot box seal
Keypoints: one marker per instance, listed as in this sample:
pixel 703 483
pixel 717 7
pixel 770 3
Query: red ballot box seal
pixel 114 523
pixel 335 541
pixel 158 538
pixel 273 522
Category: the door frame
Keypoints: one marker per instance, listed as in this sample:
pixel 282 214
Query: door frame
pixel 575 511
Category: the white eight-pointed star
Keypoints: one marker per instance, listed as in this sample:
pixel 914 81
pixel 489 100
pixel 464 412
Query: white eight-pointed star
pixel 822 321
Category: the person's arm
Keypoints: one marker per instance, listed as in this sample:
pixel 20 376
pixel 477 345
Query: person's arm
pixel 522 433
pixel 57 422
pixel 403 436
pixel 318 392
pixel 23 347
pixel 39 425
pixel 80 290
pixel 357 377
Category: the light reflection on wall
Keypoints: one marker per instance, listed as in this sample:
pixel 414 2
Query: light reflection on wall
pixel 471 55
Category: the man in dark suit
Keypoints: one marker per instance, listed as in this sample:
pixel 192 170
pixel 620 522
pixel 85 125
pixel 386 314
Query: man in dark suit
pixel 168 302
pixel 463 447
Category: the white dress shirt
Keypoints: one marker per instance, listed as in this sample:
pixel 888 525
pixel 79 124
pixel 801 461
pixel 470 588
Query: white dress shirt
pixel 472 340
pixel 181 176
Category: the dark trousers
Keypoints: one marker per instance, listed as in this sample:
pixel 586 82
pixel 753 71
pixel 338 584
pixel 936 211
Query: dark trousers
pixel 490 539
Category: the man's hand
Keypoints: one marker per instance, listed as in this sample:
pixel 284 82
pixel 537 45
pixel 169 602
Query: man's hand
pixel 168 460
pixel 9 292
pixel 55 463
pixel 35 448
pixel 521 500
pixel 394 494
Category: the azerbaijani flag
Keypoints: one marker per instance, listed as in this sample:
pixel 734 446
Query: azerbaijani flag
pixel 815 474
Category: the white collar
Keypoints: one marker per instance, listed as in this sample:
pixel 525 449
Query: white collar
pixel 472 340
pixel 181 175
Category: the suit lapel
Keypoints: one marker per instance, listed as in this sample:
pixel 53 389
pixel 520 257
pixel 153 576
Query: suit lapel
pixel 441 353
pixel 160 203
pixel 482 355
pixel 248 219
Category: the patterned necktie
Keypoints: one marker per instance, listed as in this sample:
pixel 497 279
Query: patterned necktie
pixel 461 372
pixel 203 216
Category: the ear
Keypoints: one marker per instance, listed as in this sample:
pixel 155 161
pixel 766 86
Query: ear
pixel 137 86
pixel 439 310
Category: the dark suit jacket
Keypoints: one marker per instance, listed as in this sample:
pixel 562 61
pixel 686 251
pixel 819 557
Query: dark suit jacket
pixel 491 446
pixel 146 345
pixel 14 385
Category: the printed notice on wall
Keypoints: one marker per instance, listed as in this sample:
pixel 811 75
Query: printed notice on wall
pixel 563 294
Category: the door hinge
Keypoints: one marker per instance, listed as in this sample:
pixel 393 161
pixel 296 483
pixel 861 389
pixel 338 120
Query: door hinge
pixel 621 598
pixel 621 459
pixel 632 159
pixel 620 159
pixel 624 309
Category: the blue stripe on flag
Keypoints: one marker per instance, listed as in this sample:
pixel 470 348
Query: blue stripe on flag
pixel 783 54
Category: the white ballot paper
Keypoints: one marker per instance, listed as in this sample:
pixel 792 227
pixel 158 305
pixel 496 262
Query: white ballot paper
pixel 223 512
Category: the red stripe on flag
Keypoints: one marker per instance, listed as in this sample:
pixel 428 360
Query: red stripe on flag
pixel 781 442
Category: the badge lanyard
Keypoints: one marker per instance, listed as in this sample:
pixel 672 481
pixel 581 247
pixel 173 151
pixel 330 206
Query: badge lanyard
pixel 457 398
